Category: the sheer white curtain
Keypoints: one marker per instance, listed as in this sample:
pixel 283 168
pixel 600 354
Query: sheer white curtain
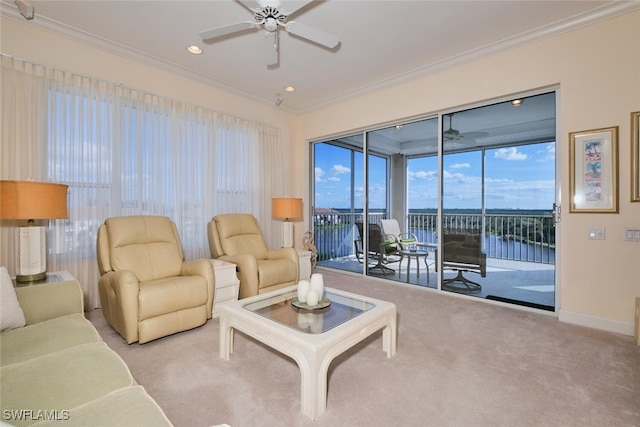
pixel 125 152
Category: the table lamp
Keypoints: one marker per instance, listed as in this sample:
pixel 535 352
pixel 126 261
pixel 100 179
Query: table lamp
pixel 286 209
pixel 30 201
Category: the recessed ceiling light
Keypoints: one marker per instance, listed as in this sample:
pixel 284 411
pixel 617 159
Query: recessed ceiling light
pixel 517 102
pixel 289 89
pixel 194 49
pixel 398 127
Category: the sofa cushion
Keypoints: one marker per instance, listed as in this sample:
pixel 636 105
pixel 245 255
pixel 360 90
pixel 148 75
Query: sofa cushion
pixel 130 406
pixel 62 380
pixel 11 314
pixel 47 301
pixel 19 345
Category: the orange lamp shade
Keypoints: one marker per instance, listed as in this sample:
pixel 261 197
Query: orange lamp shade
pixel 33 200
pixel 286 208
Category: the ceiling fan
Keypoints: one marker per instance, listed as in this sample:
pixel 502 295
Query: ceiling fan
pixel 271 15
pixel 452 134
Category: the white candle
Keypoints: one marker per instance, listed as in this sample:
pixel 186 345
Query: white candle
pixel 312 298
pixel 303 290
pixel 317 284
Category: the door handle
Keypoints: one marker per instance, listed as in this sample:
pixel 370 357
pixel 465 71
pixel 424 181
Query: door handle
pixel 556 213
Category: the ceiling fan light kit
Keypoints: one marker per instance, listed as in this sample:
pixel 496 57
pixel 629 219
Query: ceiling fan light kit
pixel 271 15
pixel 25 8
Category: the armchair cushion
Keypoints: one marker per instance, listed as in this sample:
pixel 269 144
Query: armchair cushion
pixel 240 234
pixel 162 296
pixel 147 245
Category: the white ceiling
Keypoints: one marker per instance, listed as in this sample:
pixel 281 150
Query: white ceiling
pixel 382 42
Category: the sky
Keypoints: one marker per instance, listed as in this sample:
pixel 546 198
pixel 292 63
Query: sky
pixel 521 177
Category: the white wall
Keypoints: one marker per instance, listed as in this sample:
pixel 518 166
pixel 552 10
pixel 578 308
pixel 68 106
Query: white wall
pixel 598 71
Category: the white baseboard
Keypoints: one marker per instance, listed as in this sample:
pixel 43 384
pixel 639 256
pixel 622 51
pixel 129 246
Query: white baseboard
pixel 616 326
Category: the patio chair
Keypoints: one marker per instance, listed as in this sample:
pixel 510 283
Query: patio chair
pixel 390 227
pixel 463 252
pixel 382 249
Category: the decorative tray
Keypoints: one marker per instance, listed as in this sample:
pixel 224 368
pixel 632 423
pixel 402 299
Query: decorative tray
pixel 324 303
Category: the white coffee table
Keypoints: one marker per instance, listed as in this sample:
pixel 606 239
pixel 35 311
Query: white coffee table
pixel 311 338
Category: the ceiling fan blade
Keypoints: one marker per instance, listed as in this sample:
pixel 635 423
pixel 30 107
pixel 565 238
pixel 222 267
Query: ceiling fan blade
pixel 291 7
pixel 227 29
pixel 252 5
pixel 312 34
pixel 474 135
pixel 271 48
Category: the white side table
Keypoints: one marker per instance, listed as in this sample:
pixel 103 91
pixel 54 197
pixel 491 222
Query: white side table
pixel 226 283
pixel 304 259
pixel 52 277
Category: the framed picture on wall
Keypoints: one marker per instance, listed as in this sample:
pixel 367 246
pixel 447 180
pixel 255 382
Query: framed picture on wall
pixel 635 156
pixel 593 170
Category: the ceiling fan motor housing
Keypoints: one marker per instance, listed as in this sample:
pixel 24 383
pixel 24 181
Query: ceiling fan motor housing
pixel 270 17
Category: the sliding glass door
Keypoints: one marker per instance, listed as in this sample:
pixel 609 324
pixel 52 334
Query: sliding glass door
pixel 460 201
pixel 338 201
pixel 498 192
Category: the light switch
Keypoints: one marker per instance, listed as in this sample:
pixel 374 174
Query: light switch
pixel 596 233
pixel 632 235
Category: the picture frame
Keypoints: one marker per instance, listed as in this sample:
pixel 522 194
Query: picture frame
pixel 593 171
pixel 635 156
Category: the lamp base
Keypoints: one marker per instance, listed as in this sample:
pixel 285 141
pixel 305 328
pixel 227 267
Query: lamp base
pixel 31 257
pixel 30 278
pixel 287 234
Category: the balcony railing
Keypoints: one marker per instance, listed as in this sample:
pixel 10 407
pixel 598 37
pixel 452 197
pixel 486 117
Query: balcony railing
pixel 512 236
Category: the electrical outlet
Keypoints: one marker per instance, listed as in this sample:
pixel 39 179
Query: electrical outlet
pixel 596 233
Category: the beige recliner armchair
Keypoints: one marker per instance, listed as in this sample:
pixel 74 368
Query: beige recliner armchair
pixel 237 238
pixel 147 290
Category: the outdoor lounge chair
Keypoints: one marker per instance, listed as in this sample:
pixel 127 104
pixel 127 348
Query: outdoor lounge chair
pixel 382 249
pixel 463 252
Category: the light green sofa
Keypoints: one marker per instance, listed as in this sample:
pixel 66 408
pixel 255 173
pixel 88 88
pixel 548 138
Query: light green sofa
pixel 56 370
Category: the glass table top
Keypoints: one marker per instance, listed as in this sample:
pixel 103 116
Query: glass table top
pixel 279 309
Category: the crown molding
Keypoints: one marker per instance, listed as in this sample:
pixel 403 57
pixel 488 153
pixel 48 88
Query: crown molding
pixel 601 14
pixel 608 11
pixel 56 27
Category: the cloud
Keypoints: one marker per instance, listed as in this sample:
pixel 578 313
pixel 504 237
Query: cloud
pixel 460 166
pixel 339 169
pixel 319 173
pixel 333 179
pixel 510 153
pixel 422 174
pixel 490 180
pixel 549 153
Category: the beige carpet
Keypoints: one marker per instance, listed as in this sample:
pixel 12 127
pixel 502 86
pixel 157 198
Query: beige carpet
pixel 459 363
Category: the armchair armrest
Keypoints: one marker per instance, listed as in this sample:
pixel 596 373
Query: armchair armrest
pixel 201 267
pixel 247 267
pixel 288 253
pixel 50 300
pixel 119 296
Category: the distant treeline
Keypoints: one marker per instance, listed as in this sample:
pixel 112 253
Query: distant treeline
pixel 529 212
